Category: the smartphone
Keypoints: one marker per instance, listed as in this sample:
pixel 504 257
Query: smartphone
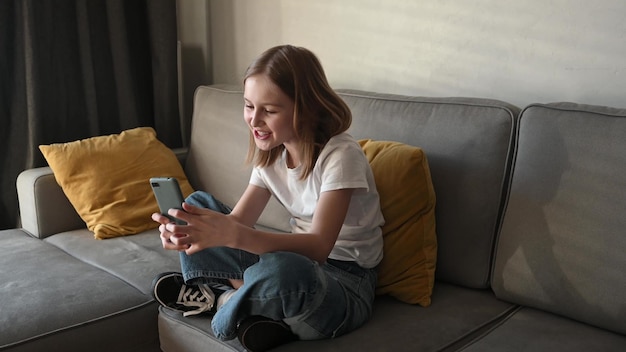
pixel 168 195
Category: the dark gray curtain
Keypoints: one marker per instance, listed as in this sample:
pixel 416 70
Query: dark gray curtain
pixel 73 69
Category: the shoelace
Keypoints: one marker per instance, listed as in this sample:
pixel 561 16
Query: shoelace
pixel 199 296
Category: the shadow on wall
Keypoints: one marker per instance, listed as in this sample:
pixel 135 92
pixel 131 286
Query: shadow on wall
pixel 241 30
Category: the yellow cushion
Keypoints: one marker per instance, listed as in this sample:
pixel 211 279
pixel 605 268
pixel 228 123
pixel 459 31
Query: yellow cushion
pixel 106 178
pixel 407 198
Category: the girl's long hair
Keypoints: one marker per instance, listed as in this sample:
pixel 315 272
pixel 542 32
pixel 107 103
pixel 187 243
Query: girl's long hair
pixel 319 113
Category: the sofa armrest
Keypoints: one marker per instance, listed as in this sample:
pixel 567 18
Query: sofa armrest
pixel 44 208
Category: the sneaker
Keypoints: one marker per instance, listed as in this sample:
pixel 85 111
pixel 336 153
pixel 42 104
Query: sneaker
pixel 258 334
pixel 170 290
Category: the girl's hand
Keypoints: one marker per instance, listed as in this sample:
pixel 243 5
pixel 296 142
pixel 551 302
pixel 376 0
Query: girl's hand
pixel 166 235
pixel 204 229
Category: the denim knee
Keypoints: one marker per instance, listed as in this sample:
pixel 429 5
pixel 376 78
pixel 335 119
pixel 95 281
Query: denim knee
pixel 286 270
pixel 206 200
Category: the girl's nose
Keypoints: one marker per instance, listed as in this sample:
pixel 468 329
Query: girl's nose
pixel 255 118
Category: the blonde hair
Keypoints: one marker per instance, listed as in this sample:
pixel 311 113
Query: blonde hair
pixel 319 113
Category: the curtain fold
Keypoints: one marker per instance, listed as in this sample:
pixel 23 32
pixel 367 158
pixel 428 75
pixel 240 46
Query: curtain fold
pixel 73 69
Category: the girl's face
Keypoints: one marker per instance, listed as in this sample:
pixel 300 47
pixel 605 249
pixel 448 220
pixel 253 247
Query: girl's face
pixel 268 113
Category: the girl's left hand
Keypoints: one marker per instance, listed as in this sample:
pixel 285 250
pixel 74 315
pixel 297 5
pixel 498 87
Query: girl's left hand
pixel 204 229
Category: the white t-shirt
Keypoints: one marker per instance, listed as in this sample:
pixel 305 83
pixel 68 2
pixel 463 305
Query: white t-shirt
pixel 341 165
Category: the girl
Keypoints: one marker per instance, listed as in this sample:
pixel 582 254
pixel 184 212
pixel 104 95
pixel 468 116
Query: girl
pixel 270 288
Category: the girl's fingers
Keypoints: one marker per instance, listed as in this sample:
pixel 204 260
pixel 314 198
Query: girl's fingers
pixel 160 218
pixel 192 209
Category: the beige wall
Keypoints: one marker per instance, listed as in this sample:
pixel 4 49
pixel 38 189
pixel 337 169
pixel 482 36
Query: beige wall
pixel 517 51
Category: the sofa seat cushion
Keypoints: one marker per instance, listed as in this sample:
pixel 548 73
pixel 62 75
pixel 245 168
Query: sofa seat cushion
pixel 134 259
pixel 533 330
pixel 47 294
pixel 455 313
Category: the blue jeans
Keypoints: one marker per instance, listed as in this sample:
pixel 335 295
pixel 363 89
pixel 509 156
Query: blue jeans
pixel 316 300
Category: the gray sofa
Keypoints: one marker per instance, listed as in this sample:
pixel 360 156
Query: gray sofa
pixel 530 228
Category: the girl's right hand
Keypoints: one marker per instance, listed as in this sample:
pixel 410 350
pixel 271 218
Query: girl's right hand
pixel 166 235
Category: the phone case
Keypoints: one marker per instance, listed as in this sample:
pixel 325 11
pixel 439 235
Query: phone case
pixel 168 195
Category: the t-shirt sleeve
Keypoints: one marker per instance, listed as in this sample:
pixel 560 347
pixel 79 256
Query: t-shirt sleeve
pixel 256 178
pixel 344 166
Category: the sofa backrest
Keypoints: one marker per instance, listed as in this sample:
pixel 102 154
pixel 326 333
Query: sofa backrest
pixel 468 143
pixel 562 247
pixel 218 146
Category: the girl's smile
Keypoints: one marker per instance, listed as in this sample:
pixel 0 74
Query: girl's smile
pixel 261 135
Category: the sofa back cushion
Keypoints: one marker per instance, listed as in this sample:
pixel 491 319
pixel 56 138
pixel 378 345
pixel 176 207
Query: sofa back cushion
pixel 469 146
pixel 562 243
pixel 468 143
pixel 218 147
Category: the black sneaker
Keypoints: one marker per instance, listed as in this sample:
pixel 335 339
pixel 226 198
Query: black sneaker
pixel 170 290
pixel 258 334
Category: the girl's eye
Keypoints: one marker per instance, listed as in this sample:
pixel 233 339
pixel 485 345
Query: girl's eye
pixel 247 106
pixel 269 111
